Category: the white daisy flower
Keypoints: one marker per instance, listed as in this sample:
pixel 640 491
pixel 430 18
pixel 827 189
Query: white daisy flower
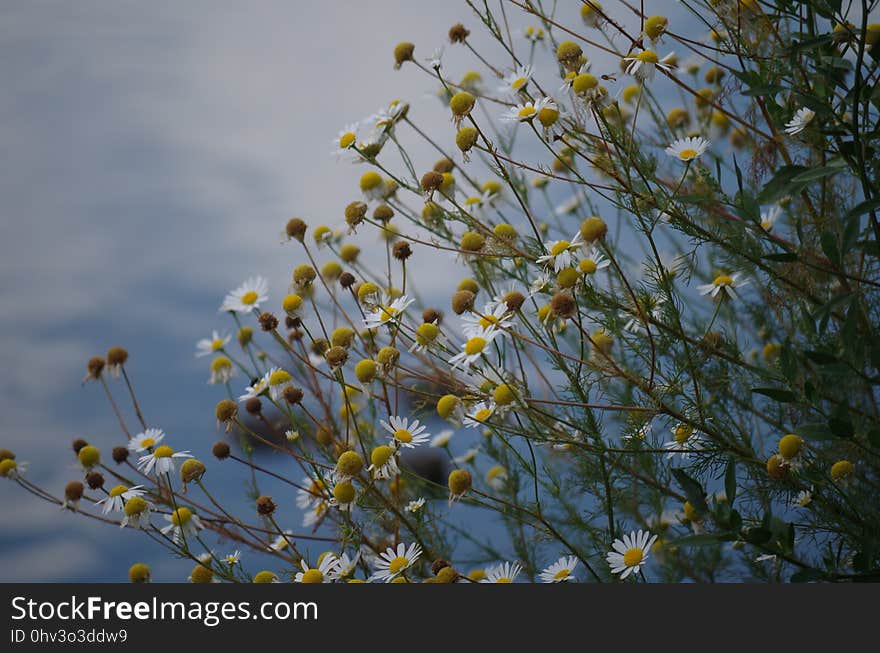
pixel 467 457
pixel 479 414
pixel 415 506
pixel 325 572
pixel 685 440
pixel 384 463
pixel 258 387
pixel 516 81
pixel 222 371
pixel 388 312
pixel 688 149
pixel 160 461
pixel 560 253
pixel 345 139
pixel 528 110
pixel 533 34
pixel 643 65
pixel 474 348
pixel 281 542
pixel 799 122
pixel 769 217
pixel 291 435
pixel 569 78
pixel 571 204
pixel 115 500
pixel 496 477
pixel 591 13
pixel 183 523
pixel 146 440
pixel 591 263
pixel 723 282
pixel 442 438
pixel 394 562
pixel 247 297
pixel 136 513
pixel 232 559
pixel 312 491
pixel 279 381
pixel 14 469
pixel 503 573
pixel 345 566
pixel 207 346
pixel 560 571
pixel 313 518
pixel 630 553
pixel 405 433
pixel 435 60
pixel 803 498
pixel 494 315
pixel 540 283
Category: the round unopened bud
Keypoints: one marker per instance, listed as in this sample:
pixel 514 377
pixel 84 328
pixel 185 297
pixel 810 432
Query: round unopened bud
pixel 460 481
pixel 349 463
pixel 220 450
pixel 192 470
pixel 95 366
pixel 293 395
pixel 94 480
pixel 388 356
pixel 265 506
pixel 245 335
pixel 291 303
pixel 336 356
pixel 790 445
pixel 458 33
pixel 6 454
pixel 116 356
pixel 471 241
pixel 324 435
pixel 344 492
pixel 304 275
pixel 346 279
pixel 403 52
pixel 253 405
pixel 468 284
pixel 514 300
pixel 432 315
pixel 563 305
pixel 201 574
pixel 842 470
pixel 296 229
pixel 120 454
pixel 568 53
pixel 461 104
pixel 444 165
pixel 447 405
pixel 431 181
pixel 655 26
pixel 349 252
pixel 355 212
pixel 505 231
pixel 226 410
pixel 401 250
pixel 383 213
pixel 678 117
pixel 381 455
pixel 78 444
pixel 446 575
pixel 776 467
pixel 504 395
pixel 268 322
pixel 73 491
pixel 462 300
pixel 265 577
pixel 466 138
pixel 365 370
pixel 89 456
pixel 602 341
pixel 8 468
pixel 139 573
pixel 331 270
pixel 714 75
pixel 593 229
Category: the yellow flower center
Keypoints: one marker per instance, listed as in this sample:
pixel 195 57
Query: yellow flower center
pixel 518 83
pixel 119 490
pixel 647 56
pixel 181 516
pixel 347 140
pixel 402 435
pixel 163 452
pixel 562 573
pixel 632 557
pixel 766 225
pixel 483 414
pixel 487 320
pixel 381 455
pixel 723 280
pixel 474 346
pixel 526 112
pixel 387 312
pixel 148 442
pixel 505 579
pixel 216 343
pixel 588 266
pixel 559 247
pixel 398 564
pixel 250 298
pixel 687 154
pixel 682 433
pixel 312 576
pixel 279 377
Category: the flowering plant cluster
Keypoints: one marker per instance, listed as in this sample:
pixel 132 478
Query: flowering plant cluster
pixel 657 357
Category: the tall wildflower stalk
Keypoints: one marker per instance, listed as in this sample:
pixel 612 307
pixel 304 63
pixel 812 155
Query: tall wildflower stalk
pixel 656 355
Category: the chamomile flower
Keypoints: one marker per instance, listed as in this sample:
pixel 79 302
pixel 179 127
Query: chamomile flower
pixel 592 261
pixel 528 110
pixel 727 283
pixel 560 571
pixel 435 60
pixel 160 461
pixel 12 469
pixel 208 346
pixel 533 34
pixel 183 525
pixel 405 433
pixel 345 139
pixel 222 371
pixel 278 381
pixel 387 312
pixel 383 461
pixel 247 297
pixel 442 438
pixel 803 498
pixel 325 572
pixel 474 348
pixel 769 217
pixel 233 558
pixel 799 121
pixel 282 541
pixel 146 440
pixel 496 477
pixel 494 315
pixel 467 457
pixel 137 513
pixel 503 573
pixel 258 387
pixel 478 414
pixel 118 495
pixel 688 149
pixel 312 492
pixel 416 505
pixel 570 205
pixel 685 440
pixel 630 553
pixel 313 518
pixel 516 81
pixel 560 253
pixel 643 65
pixel 394 562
